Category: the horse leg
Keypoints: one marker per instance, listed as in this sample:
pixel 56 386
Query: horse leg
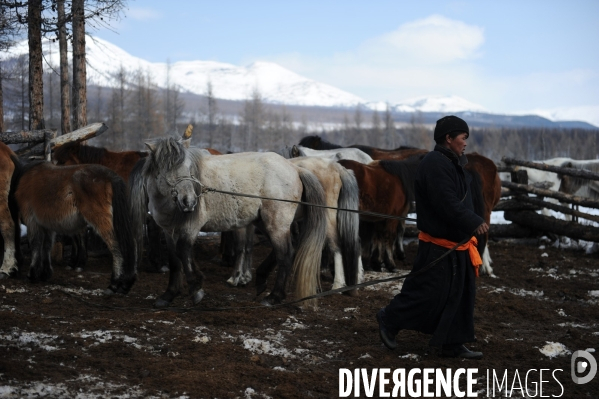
pixel 284 252
pixel 154 247
pixel 238 240
pixel 264 270
pixel 7 228
pixel 78 251
pixel 46 255
pixel 227 248
pixel 366 235
pixel 174 279
pixel 399 249
pixel 38 237
pixel 246 275
pixel 339 278
pixel 195 278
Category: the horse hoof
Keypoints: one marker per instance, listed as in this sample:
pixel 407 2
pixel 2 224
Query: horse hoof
pixel 232 282
pixel 3 276
pixel 270 301
pixel 198 296
pixel 352 293
pixel 161 303
pixel 260 289
pixel 164 269
pixel 109 292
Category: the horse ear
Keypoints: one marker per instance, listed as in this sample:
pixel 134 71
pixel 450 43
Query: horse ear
pixel 186 143
pixel 187 134
pixel 295 152
pixel 151 146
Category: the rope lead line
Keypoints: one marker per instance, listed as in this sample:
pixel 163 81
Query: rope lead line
pixel 380 215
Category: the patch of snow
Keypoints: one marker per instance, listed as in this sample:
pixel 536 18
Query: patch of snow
pixel 594 293
pixel 348 310
pixel 260 347
pixel 19 290
pixel 293 323
pixel 366 356
pixel 410 356
pixel 544 255
pixel 24 340
pixel 562 313
pixel 575 325
pixel 554 349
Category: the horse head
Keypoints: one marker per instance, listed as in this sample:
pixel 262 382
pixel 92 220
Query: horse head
pixel 172 170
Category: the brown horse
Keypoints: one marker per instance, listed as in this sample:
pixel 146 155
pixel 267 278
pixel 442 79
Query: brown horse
pixel 483 170
pixel 65 199
pixel 385 187
pixel 120 162
pixel 10 228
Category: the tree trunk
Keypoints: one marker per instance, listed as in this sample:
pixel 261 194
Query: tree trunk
pixel 65 99
pixel 36 84
pixel 79 71
pixel 1 102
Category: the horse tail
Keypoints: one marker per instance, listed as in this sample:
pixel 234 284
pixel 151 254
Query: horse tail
pixel 122 225
pixel 348 224
pixel 478 202
pixel 306 265
pixel 138 199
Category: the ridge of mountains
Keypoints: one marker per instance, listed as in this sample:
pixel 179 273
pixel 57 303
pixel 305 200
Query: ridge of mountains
pixel 278 86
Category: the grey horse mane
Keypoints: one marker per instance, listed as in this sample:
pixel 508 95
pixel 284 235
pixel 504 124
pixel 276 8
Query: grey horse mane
pixel 170 153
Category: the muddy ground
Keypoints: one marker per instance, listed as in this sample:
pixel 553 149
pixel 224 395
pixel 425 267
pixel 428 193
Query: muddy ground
pixel 64 339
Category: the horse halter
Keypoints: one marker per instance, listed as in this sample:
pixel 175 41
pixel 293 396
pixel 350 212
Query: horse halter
pixel 174 192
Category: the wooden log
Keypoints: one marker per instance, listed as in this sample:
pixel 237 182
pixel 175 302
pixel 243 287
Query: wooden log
pixel 571 199
pixel 556 169
pixel 556 207
pixel 510 230
pixel 514 205
pixel 85 133
pixel 505 168
pixel 548 224
pixel 25 136
pixel 506 192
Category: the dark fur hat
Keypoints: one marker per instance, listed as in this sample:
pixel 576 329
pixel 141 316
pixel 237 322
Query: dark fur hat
pixel 450 124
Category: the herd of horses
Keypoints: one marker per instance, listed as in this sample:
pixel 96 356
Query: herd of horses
pixel 316 202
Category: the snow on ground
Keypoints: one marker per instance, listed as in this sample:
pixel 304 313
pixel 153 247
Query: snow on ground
pixel 554 349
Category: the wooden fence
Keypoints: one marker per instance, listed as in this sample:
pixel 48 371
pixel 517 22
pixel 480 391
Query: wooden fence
pixel 40 143
pixel 521 208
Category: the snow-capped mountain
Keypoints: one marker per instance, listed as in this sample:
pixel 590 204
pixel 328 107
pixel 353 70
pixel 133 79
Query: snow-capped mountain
pixel 274 83
pixel 230 82
pixel 443 104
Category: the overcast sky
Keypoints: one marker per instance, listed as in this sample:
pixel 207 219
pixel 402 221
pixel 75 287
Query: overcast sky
pixel 507 56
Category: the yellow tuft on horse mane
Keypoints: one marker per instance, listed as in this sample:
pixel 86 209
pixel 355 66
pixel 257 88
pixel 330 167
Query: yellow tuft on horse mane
pixel 187 133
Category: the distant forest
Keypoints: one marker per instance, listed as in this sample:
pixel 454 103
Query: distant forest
pixel 136 110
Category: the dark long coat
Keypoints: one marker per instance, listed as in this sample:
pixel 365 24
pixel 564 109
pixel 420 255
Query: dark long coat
pixel 441 300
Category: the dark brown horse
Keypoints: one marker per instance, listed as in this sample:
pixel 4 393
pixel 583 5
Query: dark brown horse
pixel 66 199
pixel 483 170
pixel 10 228
pixel 121 162
pixel 385 187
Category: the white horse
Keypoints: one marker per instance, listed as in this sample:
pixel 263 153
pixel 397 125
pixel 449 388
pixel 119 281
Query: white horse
pixel 337 154
pixel 343 241
pixel 172 180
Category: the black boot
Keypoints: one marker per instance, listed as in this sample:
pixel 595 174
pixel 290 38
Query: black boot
pixel 387 338
pixel 460 351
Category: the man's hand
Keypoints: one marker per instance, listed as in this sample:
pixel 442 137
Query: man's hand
pixel 482 229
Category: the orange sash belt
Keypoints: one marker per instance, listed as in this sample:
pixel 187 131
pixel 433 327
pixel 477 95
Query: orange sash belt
pixel 470 246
